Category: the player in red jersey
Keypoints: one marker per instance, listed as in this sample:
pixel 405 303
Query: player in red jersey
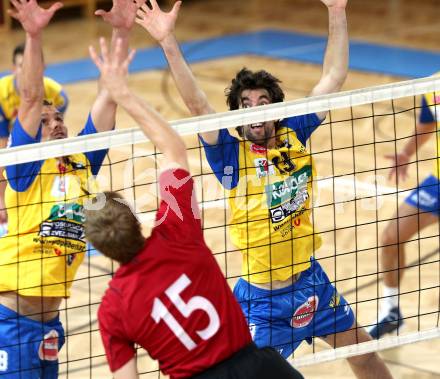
pixel 169 294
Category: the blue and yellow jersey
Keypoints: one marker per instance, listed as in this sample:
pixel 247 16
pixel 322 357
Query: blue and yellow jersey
pixel 45 242
pixel 10 100
pixel 270 199
pixel 430 112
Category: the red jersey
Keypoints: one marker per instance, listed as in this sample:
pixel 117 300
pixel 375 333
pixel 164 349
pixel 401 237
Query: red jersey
pixel 172 298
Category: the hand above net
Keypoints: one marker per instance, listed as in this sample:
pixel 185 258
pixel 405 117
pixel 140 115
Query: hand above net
pixel 31 16
pixel 157 23
pixel 122 14
pixel 113 66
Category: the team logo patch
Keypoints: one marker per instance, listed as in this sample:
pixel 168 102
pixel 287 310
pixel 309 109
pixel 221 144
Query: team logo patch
pixel 305 312
pixel 335 300
pixel 263 168
pixel 48 350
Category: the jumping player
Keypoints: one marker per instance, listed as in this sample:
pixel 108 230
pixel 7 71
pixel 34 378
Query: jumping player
pixel 284 293
pixel 9 102
pixel 169 295
pixel 45 243
pixel 420 209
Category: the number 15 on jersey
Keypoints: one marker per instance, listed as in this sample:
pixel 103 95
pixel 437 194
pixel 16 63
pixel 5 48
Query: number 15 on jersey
pixel 160 312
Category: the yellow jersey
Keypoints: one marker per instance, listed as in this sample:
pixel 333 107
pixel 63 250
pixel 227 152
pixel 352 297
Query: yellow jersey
pixel 10 100
pixel 45 242
pixel 270 199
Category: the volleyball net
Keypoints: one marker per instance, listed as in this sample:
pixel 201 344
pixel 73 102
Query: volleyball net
pixel 353 201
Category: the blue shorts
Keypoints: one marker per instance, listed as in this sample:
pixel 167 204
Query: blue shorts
pixel 283 318
pixel 426 196
pixel 28 348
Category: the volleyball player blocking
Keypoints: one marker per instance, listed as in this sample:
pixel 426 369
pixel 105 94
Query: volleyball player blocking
pixel 169 295
pixel 267 172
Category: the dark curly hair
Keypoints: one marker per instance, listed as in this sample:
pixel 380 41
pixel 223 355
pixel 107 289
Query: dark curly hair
pixel 247 79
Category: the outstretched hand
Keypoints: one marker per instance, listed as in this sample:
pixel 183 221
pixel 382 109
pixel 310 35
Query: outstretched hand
pixel 113 66
pixel 31 16
pixel 335 3
pixel 122 15
pixel 158 23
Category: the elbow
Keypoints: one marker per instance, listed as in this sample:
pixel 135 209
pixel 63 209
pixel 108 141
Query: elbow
pixel 32 95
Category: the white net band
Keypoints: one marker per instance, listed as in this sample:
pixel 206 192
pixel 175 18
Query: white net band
pixel 364 348
pixel 51 149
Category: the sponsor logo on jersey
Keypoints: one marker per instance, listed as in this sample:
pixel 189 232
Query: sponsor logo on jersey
pixel 286 198
pixel 65 221
pixel 304 313
pixel 257 149
pixel 48 350
pixel 263 168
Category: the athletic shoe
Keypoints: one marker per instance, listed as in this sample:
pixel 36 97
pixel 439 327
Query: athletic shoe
pixel 391 322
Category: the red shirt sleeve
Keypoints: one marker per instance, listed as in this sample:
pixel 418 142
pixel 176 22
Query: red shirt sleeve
pixel 118 348
pixel 178 209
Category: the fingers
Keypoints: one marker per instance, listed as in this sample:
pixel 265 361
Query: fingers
pixel 104 49
pixel 55 7
pixel 140 13
pixel 100 12
pixel 15 3
pixel 391 174
pixel 13 14
pixel 139 3
pixel 145 8
pixel 95 58
pixel 154 4
pixel 176 8
pixel 130 57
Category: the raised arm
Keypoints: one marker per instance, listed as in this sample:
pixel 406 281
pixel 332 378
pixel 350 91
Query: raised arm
pixel 114 73
pixel 335 66
pixel 121 17
pixel 160 25
pixel 33 19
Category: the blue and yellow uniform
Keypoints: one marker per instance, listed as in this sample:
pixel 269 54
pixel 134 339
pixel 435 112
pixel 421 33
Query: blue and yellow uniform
pixel 43 248
pixel 426 195
pixel 270 194
pixel 10 100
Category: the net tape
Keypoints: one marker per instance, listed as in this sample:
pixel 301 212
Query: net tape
pixel 364 348
pixel 190 126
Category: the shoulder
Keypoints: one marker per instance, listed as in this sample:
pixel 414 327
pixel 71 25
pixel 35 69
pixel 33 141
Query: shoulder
pixel 6 85
pixel 51 84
